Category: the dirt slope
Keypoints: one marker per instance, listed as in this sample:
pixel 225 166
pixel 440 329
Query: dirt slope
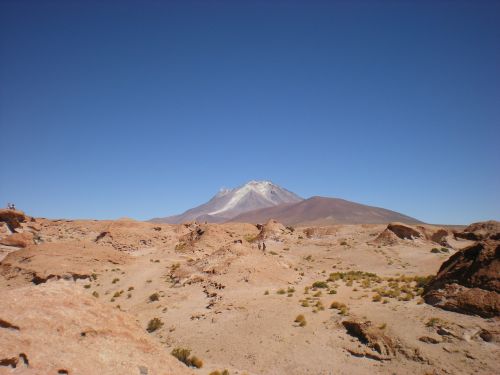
pixel 324 211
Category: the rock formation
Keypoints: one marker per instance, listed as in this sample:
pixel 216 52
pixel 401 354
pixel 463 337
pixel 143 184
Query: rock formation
pixel 65 331
pixel 469 281
pixel 404 231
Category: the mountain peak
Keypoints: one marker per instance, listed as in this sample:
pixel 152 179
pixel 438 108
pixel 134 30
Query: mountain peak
pixel 228 203
pixel 255 194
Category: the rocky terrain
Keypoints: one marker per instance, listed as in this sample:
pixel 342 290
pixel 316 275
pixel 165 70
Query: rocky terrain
pixel 130 297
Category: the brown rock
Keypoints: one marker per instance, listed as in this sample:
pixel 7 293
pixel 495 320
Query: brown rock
pixel 39 263
pixel 18 239
pixel 481 231
pixel 370 336
pixel 429 340
pixel 403 231
pixel 469 281
pixel 272 230
pixel 65 331
pixel 12 218
pixel 385 238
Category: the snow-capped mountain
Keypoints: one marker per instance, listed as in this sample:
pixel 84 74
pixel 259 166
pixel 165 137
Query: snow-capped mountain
pixel 228 203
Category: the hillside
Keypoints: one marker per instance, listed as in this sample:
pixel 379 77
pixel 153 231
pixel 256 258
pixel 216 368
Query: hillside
pixel 324 211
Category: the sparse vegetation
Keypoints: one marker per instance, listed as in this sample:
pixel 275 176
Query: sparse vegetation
pixel 250 238
pixel 154 297
pixel 184 355
pixel 281 291
pixel 118 294
pixel 301 320
pixel 432 322
pixel 154 324
pixel 174 267
pixel 341 307
pixel 95 294
pixel 320 284
pixel 217 372
pixel 180 246
pixel 115 280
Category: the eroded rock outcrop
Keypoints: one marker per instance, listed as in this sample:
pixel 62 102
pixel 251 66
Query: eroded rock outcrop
pixel 486 230
pixel 12 218
pixel 371 336
pixel 39 263
pixel 272 230
pixel 469 281
pixel 60 330
pixel 404 231
pixel 18 239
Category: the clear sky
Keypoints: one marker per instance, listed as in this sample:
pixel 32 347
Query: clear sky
pixel 147 108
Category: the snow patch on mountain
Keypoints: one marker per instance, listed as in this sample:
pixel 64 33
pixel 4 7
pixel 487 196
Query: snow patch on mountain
pixel 265 189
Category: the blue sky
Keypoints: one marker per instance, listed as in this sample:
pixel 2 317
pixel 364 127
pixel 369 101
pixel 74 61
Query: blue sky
pixel 147 108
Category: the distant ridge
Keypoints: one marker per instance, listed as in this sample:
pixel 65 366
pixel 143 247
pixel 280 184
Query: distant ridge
pixel 259 201
pixel 324 211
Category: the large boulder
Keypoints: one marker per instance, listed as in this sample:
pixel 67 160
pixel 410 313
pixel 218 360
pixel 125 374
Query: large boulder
pixel 404 232
pixel 18 239
pixel 481 231
pixel 469 281
pixel 12 218
pixel 386 238
pixel 272 230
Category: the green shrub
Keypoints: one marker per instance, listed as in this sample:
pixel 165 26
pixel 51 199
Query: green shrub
pixel 154 297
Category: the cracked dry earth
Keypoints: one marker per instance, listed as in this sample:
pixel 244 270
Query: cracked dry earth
pixel 343 299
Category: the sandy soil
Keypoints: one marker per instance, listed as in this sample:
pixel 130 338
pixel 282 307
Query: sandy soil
pixel 235 306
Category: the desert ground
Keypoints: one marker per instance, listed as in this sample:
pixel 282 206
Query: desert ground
pixel 117 297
